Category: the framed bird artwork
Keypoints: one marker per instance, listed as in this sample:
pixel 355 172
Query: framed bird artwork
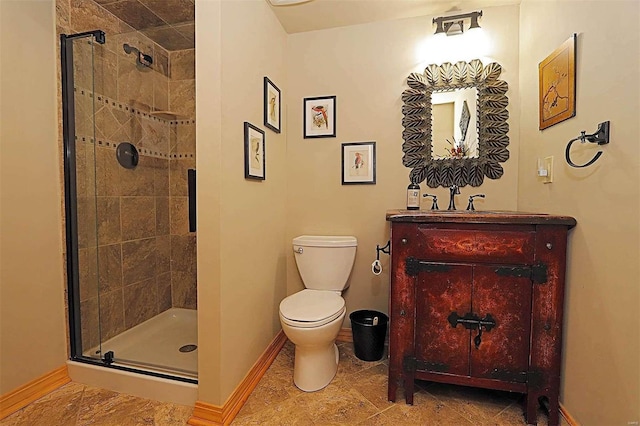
pixel 358 163
pixel 254 152
pixel 272 114
pixel 320 117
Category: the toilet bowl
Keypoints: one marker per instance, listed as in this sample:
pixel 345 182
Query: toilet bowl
pixel 312 318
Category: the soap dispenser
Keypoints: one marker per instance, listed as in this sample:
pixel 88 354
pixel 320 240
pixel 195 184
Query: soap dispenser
pixel 413 196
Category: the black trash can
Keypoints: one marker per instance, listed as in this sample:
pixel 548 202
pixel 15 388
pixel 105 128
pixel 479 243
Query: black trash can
pixel 369 331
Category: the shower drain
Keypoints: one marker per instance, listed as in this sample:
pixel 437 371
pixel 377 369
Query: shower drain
pixel 188 348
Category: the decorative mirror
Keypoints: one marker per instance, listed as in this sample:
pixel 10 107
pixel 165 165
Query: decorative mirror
pixel 455 124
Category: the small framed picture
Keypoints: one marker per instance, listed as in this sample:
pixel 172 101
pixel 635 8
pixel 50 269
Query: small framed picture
pixel 254 152
pixel 320 117
pixel 358 163
pixel 272 114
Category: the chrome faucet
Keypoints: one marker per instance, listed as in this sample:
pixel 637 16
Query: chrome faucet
pixel 453 191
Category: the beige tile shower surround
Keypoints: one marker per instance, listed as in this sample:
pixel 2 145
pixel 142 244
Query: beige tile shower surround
pixel 133 224
pixel 357 396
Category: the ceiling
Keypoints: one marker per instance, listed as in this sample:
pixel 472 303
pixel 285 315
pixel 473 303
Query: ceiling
pixel 169 23
pixel 322 14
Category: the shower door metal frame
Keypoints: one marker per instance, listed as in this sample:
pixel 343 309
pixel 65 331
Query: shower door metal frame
pixel 71 209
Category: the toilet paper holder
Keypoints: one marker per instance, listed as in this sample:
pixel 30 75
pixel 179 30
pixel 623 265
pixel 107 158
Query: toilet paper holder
pixel 376 267
pixel 386 249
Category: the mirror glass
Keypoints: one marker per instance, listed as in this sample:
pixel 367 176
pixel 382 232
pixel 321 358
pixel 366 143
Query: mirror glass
pixel 455 124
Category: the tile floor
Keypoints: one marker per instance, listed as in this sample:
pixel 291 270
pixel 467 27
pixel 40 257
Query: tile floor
pixel 75 404
pixel 357 396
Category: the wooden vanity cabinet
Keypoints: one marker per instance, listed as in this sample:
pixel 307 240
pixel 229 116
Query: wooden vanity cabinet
pixel 476 300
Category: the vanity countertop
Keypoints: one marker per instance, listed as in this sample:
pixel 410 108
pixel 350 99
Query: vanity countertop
pixel 478 216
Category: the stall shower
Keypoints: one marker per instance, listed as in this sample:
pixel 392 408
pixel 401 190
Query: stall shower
pixel 128 103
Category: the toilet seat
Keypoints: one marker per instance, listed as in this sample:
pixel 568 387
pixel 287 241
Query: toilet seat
pixel 311 308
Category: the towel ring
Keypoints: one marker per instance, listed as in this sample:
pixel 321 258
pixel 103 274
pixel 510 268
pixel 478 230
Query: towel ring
pixel 601 137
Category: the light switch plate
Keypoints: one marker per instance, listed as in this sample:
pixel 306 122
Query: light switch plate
pixel 548 166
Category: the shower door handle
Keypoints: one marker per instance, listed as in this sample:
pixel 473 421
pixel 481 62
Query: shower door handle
pixel 191 183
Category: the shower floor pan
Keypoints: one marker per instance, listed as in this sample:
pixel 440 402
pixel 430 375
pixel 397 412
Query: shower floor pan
pixel 155 344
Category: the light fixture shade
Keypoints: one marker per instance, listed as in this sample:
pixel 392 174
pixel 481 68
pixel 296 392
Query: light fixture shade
pixel 439 26
pixel 452 25
pixel 454 28
pixel 287 2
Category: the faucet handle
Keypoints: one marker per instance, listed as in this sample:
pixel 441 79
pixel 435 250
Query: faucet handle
pixel 470 205
pixel 434 205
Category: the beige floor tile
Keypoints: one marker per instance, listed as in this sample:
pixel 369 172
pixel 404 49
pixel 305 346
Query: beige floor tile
pixel 106 408
pixel 275 387
pixel 336 405
pixel 59 407
pixel 167 414
pixel 514 415
pixel 356 396
pixel 287 413
pixel 426 411
pixel 372 384
pixel 350 364
pixel 476 405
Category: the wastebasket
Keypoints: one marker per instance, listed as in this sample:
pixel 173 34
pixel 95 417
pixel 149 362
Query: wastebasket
pixel 369 331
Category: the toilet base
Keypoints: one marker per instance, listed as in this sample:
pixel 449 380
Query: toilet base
pixel 316 353
pixel 314 367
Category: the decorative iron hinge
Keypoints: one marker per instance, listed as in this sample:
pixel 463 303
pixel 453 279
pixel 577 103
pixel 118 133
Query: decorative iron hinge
pixel 537 273
pixel 532 378
pixel 414 266
pixel 410 364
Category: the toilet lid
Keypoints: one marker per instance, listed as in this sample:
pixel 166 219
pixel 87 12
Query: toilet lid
pixel 311 305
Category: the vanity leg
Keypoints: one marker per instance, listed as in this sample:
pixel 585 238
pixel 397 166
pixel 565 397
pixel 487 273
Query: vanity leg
pixel 554 410
pixel 409 388
pixel 392 389
pixel 531 408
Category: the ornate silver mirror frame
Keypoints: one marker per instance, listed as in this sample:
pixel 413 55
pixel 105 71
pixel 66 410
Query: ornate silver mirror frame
pixel 492 124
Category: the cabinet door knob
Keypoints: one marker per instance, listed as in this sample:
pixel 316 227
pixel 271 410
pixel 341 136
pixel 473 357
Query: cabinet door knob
pixel 404 241
pixel 549 246
pixel 402 312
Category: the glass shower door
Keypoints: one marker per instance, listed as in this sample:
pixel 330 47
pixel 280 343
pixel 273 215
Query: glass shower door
pixel 80 194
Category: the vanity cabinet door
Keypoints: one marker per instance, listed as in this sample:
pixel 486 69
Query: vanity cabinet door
pixel 440 290
pixel 503 352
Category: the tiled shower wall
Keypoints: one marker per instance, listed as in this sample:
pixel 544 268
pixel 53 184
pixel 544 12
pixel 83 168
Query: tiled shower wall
pixel 135 248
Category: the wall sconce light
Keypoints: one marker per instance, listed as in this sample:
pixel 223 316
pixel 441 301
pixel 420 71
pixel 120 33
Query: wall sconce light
pixel 452 25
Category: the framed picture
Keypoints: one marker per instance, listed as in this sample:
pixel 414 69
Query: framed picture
pixel 272 114
pixel 254 152
pixel 358 163
pixel 320 117
pixel 557 84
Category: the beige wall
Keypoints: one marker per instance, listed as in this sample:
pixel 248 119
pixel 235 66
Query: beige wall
pixel 601 368
pixel 245 227
pixel 31 277
pixel 246 241
pixel 366 67
pixel 208 164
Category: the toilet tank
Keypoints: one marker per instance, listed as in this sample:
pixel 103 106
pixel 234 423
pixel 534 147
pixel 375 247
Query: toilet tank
pixel 325 262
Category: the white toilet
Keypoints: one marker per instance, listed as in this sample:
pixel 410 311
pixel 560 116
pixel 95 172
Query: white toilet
pixel 312 318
